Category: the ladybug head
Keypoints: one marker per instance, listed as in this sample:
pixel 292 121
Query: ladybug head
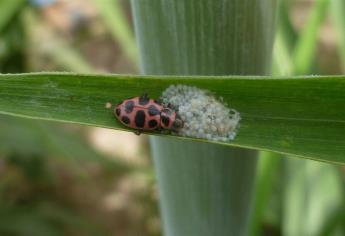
pixel 171 120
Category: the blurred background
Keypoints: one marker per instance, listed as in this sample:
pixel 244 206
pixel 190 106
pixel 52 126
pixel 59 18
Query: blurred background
pixel 58 179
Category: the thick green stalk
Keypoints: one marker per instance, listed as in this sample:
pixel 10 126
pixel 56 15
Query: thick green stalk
pixel 204 189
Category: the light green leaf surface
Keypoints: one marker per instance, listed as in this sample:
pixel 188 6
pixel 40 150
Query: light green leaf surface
pixel 298 116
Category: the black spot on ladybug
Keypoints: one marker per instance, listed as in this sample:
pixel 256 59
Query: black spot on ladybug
pixel 153 123
pixel 165 120
pixel 125 119
pixel 143 100
pixel 140 119
pixel 129 106
pixel 153 110
pixel 118 111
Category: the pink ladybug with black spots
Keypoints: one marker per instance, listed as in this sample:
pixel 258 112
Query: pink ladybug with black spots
pixel 145 114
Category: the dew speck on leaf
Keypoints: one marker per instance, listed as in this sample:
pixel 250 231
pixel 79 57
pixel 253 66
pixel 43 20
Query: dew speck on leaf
pixel 108 105
pixel 204 116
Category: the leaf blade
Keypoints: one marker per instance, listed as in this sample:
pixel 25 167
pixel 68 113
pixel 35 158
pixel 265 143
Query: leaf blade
pixel 8 9
pixel 301 116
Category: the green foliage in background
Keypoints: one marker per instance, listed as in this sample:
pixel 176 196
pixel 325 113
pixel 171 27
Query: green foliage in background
pixel 305 46
pixel 114 18
pixel 309 197
pixel 8 10
pixel 35 156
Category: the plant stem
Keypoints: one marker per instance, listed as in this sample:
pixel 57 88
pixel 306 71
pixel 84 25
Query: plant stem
pixel 204 189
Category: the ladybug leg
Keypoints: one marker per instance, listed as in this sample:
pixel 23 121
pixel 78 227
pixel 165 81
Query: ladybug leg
pixel 138 132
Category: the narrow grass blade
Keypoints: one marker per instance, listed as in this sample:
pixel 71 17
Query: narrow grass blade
pixel 115 19
pixel 285 27
pixel 298 116
pixel 8 8
pixel 282 63
pixel 313 192
pixel 53 46
pixel 285 40
pixel 338 13
pixel 267 166
pixel 306 43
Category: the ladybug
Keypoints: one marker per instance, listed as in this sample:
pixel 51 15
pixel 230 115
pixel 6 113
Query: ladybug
pixel 145 114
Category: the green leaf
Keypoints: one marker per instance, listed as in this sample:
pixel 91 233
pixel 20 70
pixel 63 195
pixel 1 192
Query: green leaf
pixel 301 116
pixel 43 218
pixel 281 57
pixel 267 168
pixel 307 41
pixel 8 8
pixel 337 13
pixel 53 46
pixel 114 18
pixel 285 41
pixel 285 25
pixel 313 193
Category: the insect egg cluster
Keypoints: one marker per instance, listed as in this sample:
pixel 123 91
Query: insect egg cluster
pixel 204 116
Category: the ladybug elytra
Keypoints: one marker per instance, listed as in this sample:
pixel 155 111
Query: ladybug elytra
pixel 143 113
